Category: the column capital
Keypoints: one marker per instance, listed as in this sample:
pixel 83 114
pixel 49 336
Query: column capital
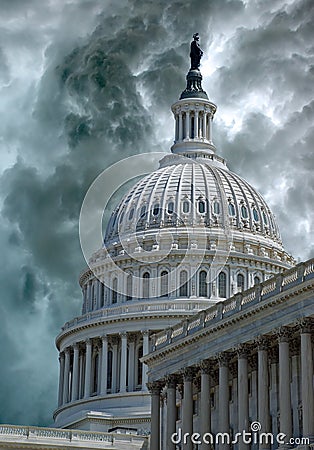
pixel 104 338
pixel 283 334
pixel 223 359
pixel 206 367
pixel 262 343
pixel 242 351
pixel 123 335
pixel 76 346
pixel 145 332
pixel 114 340
pixel 132 337
pixel 305 325
pixel 155 387
pixel 188 373
pixel 67 350
pixel 171 381
pixel 88 342
pixel 61 356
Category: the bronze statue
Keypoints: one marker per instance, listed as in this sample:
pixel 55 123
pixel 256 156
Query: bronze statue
pixel 196 52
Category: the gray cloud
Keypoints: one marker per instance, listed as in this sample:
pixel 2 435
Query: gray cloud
pixel 86 83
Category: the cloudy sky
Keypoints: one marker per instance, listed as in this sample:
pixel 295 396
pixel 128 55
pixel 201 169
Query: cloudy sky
pixel 85 83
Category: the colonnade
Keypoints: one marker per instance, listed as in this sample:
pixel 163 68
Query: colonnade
pixel 192 123
pixel 274 361
pixel 104 365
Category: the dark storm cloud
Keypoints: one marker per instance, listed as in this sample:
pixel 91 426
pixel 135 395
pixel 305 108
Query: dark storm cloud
pixel 87 83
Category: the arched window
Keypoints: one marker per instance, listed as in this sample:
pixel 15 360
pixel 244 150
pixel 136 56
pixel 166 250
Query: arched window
pixel 216 207
pixel 146 277
pixel 222 285
pixel 114 294
pixel 265 218
pixel 102 295
pixel 240 282
pixel 183 290
pixel 129 287
pixel 131 214
pixel 170 208
pixel 202 284
pixel 231 209
pixel 156 209
pixel 244 212
pixel 164 284
pixel 109 369
pixel 95 374
pixel 257 280
pixel 255 215
pixel 186 206
pixel 143 211
pixel 139 366
pixel 201 207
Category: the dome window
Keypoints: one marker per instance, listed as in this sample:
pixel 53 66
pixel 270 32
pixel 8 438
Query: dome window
pixel 257 280
pixel 231 209
pixel 164 284
pixel 170 208
pixel 201 207
pixel 183 291
pixel 129 287
pixel 131 214
pixel 244 212
pixel 216 207
pixel 146 278
pixel 156 209
pixel 255 215
pixel 240 282
pixel 265 218
pixel 186 206
pixel 202 284
pixel 222 285
pixel 114 297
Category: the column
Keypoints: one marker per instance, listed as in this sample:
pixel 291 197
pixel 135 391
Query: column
pixel 243 393
pixel 66 376
pixel 205 406
pixel 171 411
pixel 123 363
pixel 98 304
pixel 187 410
pixel 284 383
pixel 88 298
pixel 75 380
pixel 104 365
pixel 61 378
pixel 88 368
pixel 180 127
pixel 223 403
pixel 114 364
pixel 155 389
pixel 307 393
pixel 263 389
pixel 131 368
pixel 205 125
pixel 210 125
pixel 187 124
pixel 196 125
pixel 145 352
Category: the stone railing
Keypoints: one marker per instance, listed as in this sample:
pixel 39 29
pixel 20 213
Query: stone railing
pixel 153 305
pixel 77 437
pixel 239 302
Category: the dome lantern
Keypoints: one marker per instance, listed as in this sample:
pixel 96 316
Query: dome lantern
pixel 193 112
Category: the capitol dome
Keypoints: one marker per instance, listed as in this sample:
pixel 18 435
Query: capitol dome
pixel 185 237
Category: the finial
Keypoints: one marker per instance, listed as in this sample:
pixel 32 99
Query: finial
pixel 196 52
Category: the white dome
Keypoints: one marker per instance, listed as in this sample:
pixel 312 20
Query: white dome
pixel 193 192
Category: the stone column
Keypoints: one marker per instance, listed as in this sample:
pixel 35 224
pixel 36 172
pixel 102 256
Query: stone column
pixel 123 363
pixel 187 124
pixel 205 406
pixel 66 376
pixel 171 411
pixel 104 365
pixel 89 295
pixel 180 127
pixel 131 368
pixel 210 126
pixel 114 364
pixel 187 410
pixel 243 393
pixel 61 378
pixel 155 389
pixel 205 125
pixel 223 404
pixel 99 295
pixel 263 389
pixel 196 125
pixel 88 368
pixel 307 394
pixel 75 380
pixel 284 383
pixel 145 352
